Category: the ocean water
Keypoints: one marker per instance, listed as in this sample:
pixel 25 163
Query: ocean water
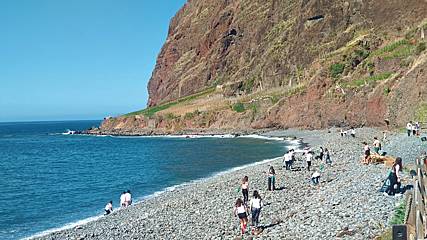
pixel 49 180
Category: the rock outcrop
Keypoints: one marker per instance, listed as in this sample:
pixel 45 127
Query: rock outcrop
pixel 305 63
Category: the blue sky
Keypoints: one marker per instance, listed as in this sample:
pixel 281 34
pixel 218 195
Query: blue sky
pixel 80 59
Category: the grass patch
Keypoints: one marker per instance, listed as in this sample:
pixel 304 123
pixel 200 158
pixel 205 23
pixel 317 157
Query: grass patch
pixel 295 90
pixel 401 52
pixel 421 112
pixel 367 80
pixel 399 214
pixel 238 107
pixel 152 110
pixel 387 91
pixel 389 48
pixel 249 84
pixel 336 69
pixel 397 218
pixel 421 46
pixel 170 116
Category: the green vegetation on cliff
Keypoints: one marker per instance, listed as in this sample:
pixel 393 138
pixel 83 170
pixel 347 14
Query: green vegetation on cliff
pixel 149 112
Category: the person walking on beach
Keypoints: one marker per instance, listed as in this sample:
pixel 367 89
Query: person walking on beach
pixel 128 198
pixel 395 177
pixel 328 157
pixel 414 129
pixel 245 189
pixel 417 128
pixel 309 157
pixel 367 151
pixel 377 145
pixel 241 212
pixel 320 157
pixel 292 156
pixel 271 179
pixel 409 128
pixel 353 132
pixel 123 199
pixel 255 206
pixel 108 208
pixel 287 160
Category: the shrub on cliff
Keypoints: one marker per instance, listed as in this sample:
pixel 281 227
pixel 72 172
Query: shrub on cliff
pixel 238 107
pixel 336 69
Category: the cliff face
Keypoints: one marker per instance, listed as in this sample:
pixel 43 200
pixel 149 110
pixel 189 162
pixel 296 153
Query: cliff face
pixel 293 63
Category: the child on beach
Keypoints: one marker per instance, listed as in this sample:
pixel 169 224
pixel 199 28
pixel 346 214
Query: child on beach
pixel 241 211
pixel 255 206
pixel 245 189
pixel 271 179
pixel 315 178
pixel 108 208
pixel 367 151
pixel 122 199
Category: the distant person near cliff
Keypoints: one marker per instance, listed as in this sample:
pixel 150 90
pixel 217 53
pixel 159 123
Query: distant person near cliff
pixel 367 152
pixel 245 189
pixel 377 145
pixel 241 212
pixel 409 128
pixel 353 132
pixel 328 157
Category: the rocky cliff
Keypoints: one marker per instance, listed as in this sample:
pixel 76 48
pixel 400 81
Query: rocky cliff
pixel 248 64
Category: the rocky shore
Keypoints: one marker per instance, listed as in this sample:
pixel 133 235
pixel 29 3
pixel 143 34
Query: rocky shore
pixel 347 203
pixel 158 132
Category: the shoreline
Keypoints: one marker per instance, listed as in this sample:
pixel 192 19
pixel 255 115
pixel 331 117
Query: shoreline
pixel 291 142
pixel 151 208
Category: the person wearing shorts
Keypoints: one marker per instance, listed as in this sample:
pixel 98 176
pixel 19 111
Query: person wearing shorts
pixel 241 211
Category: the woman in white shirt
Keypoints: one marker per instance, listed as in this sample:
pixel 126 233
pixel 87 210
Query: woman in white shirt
pixel 240 211
pixel 123 199
pixel 255 206
pixel 128 198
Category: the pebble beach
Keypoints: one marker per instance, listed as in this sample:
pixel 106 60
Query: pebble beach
pixel 346 204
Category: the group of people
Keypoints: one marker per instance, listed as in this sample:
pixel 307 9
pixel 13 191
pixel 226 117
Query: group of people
pixel 351 132
pixel 367 149
pixel 243 207
pixel 125 201
pixel 413 128
pixel 289 157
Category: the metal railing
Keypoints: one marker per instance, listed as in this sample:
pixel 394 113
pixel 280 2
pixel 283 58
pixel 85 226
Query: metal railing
pixel 415 218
